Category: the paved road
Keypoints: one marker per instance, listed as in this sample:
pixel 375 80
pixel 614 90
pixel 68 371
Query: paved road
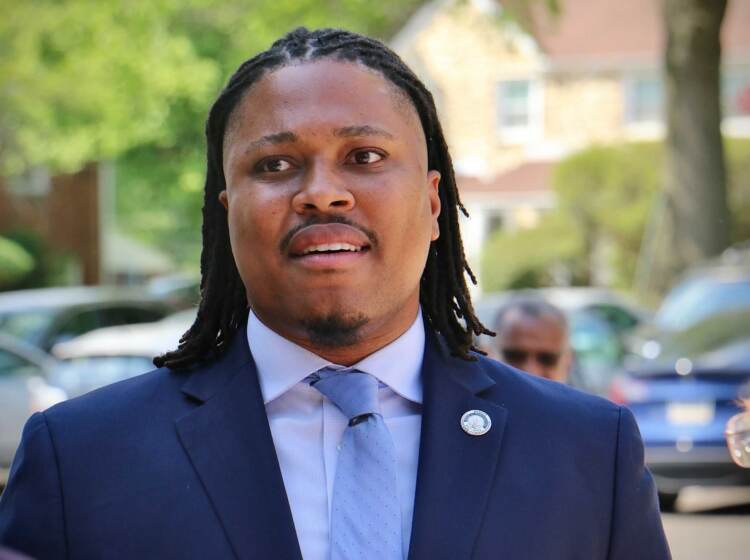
pixel 710 524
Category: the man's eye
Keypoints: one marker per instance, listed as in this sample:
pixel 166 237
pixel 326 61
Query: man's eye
pixel 273 165
pixel 364 157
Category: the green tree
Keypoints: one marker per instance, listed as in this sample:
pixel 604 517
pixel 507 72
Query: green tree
pixel 534 258
pixel 132 80
pixel 609 191
pixel 605 196
pixel 86 80
pixel 15 262
pixel 738 165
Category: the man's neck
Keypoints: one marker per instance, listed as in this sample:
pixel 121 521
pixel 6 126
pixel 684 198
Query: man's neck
pixel 370 338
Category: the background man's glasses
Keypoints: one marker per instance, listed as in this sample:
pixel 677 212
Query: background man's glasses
pixel 518 356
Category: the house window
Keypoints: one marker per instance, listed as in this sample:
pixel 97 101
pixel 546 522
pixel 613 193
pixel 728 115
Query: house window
pixel 518 109
pixel 736 94
pixel 495 222
pixel 645 100
pixel 515 104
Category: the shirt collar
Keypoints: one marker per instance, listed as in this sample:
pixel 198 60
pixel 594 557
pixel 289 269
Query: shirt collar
pixel 282 364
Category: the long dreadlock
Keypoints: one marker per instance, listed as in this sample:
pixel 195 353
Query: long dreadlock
pixel 444 296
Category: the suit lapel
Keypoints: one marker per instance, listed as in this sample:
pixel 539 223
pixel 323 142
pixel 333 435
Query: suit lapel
pixel 229 443
pixel 456 470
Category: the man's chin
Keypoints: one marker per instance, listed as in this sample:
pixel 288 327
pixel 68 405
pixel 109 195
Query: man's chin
pixel 335 329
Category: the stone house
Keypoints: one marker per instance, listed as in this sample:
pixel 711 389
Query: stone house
pixel 514 98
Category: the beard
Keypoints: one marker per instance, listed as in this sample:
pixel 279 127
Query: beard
pixel 335 330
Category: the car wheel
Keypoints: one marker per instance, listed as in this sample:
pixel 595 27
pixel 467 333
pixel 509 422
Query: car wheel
pixel 667 500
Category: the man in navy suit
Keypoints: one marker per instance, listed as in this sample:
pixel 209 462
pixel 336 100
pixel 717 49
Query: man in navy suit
pixel 331 252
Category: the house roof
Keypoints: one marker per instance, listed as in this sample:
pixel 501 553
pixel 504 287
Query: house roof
pixel 527 178
pixel 632 30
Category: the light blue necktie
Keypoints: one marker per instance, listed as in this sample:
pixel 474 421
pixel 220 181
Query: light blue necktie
pixel 366 512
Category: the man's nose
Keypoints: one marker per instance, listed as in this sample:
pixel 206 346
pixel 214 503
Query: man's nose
pixel 324 190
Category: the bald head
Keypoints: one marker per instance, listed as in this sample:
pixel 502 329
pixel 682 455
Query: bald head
pixel 532 335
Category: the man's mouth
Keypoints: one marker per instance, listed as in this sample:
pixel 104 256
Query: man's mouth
pixel 333 248
pixel 329 245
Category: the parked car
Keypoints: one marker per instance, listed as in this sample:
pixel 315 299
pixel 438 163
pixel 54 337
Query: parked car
pixel 45 317
pixel 622 314
pixel 681 411
pixel 111 354
pixel 179 290
pixel 703 293
pixel 24 389
pixel 689 380
pixel 599 320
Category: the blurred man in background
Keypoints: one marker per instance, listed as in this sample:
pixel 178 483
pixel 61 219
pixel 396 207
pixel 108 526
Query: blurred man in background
pixel 738 436
pixel 533 335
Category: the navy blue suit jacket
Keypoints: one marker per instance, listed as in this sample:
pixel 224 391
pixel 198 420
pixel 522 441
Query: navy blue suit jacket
pixel 182 465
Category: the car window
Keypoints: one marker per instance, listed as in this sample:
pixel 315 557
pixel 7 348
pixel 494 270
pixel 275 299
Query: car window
pixel 81 375
pixel 13 364
pixel 27 325
pixel 617 317
pixel 83 321
pixel 126 315
pixel 699 298
pixel 598 350
pixel 76 324
pixel 711 334
pixel 593 340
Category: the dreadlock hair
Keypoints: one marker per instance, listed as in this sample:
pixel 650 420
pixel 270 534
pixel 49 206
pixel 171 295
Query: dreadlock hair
pixel 444 296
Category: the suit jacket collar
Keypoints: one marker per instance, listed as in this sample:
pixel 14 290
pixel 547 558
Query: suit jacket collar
pixel 229 443
pixel 456 470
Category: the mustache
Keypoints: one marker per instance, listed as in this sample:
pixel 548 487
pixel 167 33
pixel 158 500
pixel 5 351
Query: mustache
pixel 320 220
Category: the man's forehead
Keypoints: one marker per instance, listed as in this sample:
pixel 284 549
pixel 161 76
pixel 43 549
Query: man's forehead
pixel 318 82
pixel 519 323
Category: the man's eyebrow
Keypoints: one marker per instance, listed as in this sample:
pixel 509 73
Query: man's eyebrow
pixel 276 138
pixel 361 130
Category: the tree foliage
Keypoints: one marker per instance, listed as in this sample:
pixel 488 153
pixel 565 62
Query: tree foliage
pixel 132 81
pixel 85 80
pixel 15 262
pixel 606 196
pixel 535 257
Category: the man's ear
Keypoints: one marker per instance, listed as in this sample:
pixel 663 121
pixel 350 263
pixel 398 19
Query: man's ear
pixel 433 192
pixel 224 199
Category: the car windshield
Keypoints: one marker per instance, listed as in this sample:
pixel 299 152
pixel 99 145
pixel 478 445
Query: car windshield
pixel 11 363
pixel 27 325
pixel 699 298
pixel 597 347
pixel 721 334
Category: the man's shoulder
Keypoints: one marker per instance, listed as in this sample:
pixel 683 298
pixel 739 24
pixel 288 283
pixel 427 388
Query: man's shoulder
pixel 529 395
pixel 155 390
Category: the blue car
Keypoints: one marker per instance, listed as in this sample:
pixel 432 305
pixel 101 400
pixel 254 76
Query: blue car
pixel 689 384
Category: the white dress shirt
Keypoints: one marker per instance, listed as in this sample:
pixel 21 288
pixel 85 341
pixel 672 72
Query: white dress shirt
pixel 307 428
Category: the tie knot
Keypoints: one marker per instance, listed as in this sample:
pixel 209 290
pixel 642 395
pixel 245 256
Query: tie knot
pixel 353 392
